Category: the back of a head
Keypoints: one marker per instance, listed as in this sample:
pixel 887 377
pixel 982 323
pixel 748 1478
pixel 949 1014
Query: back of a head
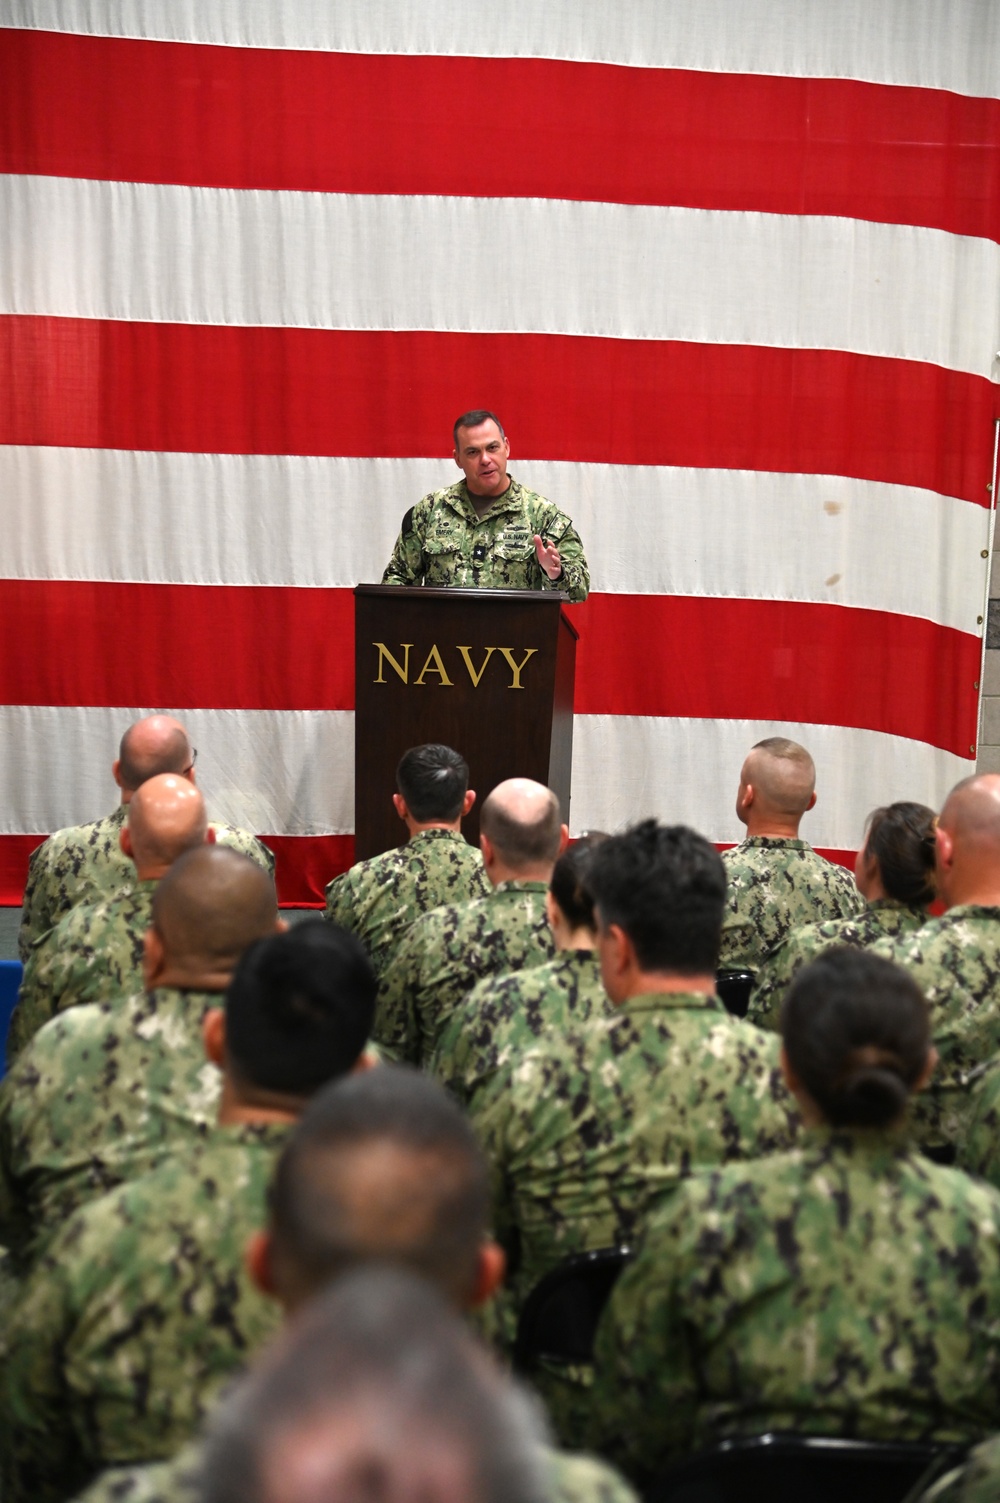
pixel 166 817
pixel 382 1164
pixel 569 881
pixel 376 1393
pixel 521 820
pixel 665 886
pixel 856 1034
pixel 971 815
pixel 901 839
pixel 155 744
pixel 433 780
pixel 211 905
pixel 299 1010
pixel 783 774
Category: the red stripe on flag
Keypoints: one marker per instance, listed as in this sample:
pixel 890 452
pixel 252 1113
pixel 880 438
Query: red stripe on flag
pixel 128 110
pixel 244 647
pixel 186 646
pixel 192 388
pixel 778 660
pixel 303 865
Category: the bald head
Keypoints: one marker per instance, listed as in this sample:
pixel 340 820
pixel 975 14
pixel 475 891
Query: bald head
pixel 166 817
pixel 520 822
pixel 968 842
pixel 777 786
pixel 209 907
pixel 159 743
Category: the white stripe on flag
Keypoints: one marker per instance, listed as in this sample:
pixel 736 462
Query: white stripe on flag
pixel 291 772
pixel 346 261
pixel 284 772
pixel 285 520
pixel 686 772
pixel 947 44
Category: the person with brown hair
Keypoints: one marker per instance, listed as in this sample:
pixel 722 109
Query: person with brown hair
pixel 894 871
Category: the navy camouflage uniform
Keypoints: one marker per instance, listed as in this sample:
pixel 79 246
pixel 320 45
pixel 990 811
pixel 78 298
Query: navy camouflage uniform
pixel 775 885
pixel 850 1287
pixel 85 864
pixel 379 899
pixel 444 542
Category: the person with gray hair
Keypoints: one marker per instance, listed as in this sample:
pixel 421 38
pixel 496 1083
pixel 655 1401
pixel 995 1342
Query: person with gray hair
pixel 448 950
pixel 86 863
pixel 777 882
pixel 376 1393
pixel 382 1169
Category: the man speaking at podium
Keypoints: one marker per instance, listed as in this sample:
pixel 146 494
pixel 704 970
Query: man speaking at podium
pixel 488 531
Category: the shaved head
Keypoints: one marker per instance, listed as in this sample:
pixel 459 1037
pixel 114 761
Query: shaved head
pixel 783 775
pixel 520 819
pixel 971 812
pixel 157 744
pixel 166 817
pixel 210 906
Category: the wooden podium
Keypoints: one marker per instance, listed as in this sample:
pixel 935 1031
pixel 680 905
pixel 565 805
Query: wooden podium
pixel 488 672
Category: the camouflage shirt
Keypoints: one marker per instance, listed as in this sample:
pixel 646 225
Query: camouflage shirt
pixel 99 1095
pixel 379 899
pixel 505 1015
pixel 851 1287
pixel 443 542
pixel 776 885
pixel 975 1480
pixel 138 1311
pixel 446 952
pixel 883 917
pixel 572 1479
pixel 977 1149
pixel 94 951
pixel 587 1128
pixel 955 960
pixel 85 864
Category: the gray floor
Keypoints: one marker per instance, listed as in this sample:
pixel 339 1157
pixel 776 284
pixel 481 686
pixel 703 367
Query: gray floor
pixel 10 918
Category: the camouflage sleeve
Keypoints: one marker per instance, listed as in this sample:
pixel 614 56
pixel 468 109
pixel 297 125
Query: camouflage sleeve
pixel 396 1027
pixel 645 1380
pixel 978 1149
pixel 175 1481
pixel 575 576
pixel 43 1461
pixel 15 1226
pixel 340 902
pixel 575 1478
pixel 406 566
pixel 38 913
pixel 772 981
pixel 496 1109
pixel 36 997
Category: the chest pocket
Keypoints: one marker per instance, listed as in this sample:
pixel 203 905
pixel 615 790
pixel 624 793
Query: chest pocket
pixel 514 544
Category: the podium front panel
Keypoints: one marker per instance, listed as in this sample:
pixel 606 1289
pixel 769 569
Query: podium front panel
pixel 488 672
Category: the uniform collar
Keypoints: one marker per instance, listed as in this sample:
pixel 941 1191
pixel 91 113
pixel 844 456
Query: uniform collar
pixel 673 1002
pixel 514 886
pixel 773 843
pixel 509 501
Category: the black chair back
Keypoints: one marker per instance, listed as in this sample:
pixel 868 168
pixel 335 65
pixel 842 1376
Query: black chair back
pixel 559 1320
pixel 733 989
pixel 814 1468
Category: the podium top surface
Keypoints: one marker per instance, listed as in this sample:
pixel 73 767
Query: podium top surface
pixel 483 597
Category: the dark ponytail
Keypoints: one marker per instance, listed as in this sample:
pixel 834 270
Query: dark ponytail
pixel 901 838
pixel 856 1034
pixel 569 880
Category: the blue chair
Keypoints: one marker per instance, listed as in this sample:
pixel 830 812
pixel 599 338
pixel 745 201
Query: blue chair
pixel 10 983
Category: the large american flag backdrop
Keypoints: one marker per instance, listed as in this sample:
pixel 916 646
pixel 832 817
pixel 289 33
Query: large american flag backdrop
pixel 728 270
